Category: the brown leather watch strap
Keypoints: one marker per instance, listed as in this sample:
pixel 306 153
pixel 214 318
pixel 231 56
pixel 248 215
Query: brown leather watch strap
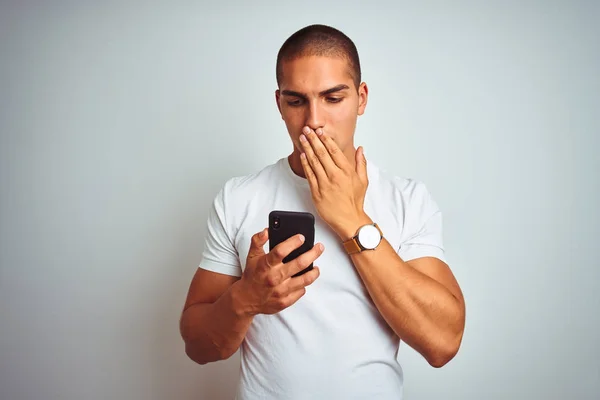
pixel 351 246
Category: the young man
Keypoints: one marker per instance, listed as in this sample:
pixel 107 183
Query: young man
pixel 381 275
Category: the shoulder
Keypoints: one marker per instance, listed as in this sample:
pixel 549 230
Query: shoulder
pixel 244 187
pixel 407 190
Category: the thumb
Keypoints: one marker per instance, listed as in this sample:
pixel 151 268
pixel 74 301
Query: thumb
pixel 361 165
pixel 258 241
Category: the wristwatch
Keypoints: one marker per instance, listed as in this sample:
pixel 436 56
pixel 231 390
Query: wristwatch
pixel 367 237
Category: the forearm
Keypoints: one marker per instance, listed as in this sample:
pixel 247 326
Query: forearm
pixel 422 312
pixel 214 331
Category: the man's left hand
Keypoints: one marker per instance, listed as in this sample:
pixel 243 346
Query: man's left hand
pixel 338 190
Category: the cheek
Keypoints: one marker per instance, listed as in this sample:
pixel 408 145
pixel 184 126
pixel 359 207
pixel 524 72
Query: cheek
pixel 343 119
pixel 294 127
pixel 291 116
pixel 294 124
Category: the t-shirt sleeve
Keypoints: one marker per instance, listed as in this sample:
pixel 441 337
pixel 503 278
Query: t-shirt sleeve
pixel 220 254
pixel 424 220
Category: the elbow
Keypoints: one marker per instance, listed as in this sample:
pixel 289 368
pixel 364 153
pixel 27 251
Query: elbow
pixel 439 359
pixel 448 344
pixel 444 353
pixel 198 356
pixel 193 354
pixel 195 349
pixel 204 356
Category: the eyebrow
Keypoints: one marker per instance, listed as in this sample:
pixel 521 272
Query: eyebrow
pixel 323 93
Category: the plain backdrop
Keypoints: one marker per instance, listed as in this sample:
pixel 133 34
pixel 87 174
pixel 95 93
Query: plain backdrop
pixel 120 121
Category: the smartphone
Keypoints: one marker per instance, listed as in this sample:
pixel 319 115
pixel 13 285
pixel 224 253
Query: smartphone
pixel 285 224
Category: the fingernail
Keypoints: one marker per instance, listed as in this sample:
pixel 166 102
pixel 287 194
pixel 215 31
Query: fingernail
pixel 301 238
pixel 262 234
pixel 302 138
pixel 319 131
pixel 306 129
pixel 321 247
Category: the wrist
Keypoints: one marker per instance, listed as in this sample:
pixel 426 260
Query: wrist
pixel 239 300
pixel 349 229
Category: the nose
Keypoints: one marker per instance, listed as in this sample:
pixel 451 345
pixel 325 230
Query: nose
pixel 315 116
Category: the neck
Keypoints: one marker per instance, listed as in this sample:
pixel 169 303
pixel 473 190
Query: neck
pixel 296 164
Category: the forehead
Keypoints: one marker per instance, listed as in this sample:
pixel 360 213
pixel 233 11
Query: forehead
pixel 315 73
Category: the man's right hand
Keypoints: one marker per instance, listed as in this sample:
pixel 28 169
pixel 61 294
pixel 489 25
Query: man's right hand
pixel 267 285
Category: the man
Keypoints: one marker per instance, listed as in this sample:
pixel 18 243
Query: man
pixel 338 338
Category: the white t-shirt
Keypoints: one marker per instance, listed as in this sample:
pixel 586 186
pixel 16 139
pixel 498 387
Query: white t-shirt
pixel 333 343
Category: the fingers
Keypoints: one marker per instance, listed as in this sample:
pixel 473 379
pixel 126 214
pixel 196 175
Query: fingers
pixel 304 280
pixel 279 252
pixel 279 274
pixel 361 165
pixel 258 241
pixel 310 175
pixel 285 294
pixel 302 261
pixel 335 153
pixel 291 298
pixel 317 155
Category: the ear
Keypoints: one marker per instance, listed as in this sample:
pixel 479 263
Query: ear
pixel 363 96
pixel 277 97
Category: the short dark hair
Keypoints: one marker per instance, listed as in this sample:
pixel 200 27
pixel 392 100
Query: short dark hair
pixel 319 40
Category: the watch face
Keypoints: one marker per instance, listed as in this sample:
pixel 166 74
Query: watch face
pixel 369 237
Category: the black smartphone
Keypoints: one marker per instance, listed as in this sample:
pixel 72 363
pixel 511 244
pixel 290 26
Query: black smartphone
pixel 285 224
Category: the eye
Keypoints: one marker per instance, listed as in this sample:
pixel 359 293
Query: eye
pixel 334 99
pixel 294 103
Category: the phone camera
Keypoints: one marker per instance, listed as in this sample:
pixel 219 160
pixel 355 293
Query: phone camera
pixel 276 223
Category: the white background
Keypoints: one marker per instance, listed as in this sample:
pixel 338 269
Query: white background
pixel 120 121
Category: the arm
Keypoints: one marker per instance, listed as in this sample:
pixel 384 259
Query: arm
pixel 220 308
pixel 420 299
pixel 212 324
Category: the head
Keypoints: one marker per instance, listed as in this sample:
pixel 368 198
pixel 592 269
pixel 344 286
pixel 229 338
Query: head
pixel 319 85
